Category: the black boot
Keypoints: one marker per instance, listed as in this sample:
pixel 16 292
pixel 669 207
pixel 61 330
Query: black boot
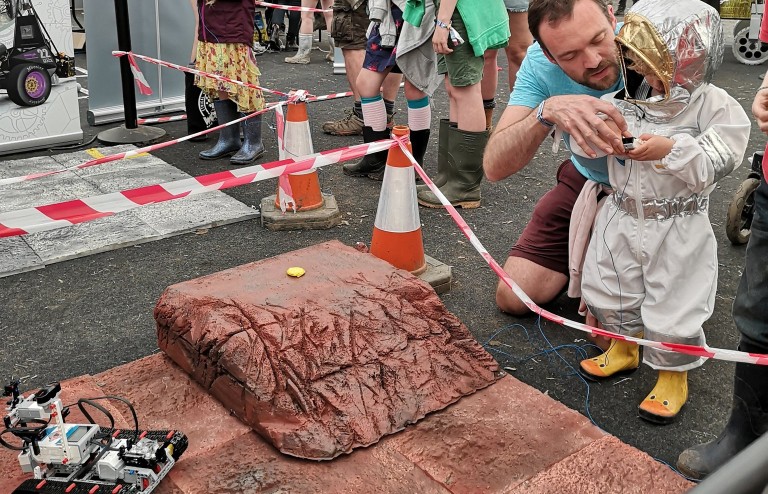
pixel 229 137
pixel 419 141
pixel 371 164
pixel 252 148
pixel 748 421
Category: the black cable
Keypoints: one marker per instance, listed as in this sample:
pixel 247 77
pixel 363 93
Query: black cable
pixel 118 398
pixel 95 405
pixel 21 430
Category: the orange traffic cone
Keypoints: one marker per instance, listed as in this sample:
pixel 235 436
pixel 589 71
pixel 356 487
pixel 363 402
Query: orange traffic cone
pixel 397 229
pixel 301 191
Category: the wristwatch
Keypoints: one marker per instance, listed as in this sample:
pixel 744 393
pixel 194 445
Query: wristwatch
pixel 442 24
pixel 540 116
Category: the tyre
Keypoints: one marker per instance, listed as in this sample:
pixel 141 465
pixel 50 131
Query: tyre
pixel 740 212
pixel 748 51
pixel 29 85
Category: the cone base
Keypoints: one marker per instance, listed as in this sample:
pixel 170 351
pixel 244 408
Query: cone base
pixel 321 218
pixel 306 192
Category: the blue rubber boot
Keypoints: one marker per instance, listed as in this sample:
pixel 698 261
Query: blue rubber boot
pixel 229 137
pixel 252 148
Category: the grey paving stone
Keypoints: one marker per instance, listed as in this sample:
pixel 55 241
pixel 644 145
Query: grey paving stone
pixel 16 256
pixel 199 211
pixel 92 237
pixel 15 168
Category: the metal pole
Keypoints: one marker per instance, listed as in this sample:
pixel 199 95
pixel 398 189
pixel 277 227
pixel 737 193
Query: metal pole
pixel 130 132
pixel 126 78
pixel 745 473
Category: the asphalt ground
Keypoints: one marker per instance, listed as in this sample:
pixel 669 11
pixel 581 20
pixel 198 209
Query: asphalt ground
pixel 90 314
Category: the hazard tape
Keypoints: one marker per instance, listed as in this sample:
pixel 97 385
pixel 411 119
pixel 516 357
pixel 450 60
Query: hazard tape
pixel 68 213
pixel 695 350
pixel 149 121
pixel 182 68
pixel 290 7
pixel 153 147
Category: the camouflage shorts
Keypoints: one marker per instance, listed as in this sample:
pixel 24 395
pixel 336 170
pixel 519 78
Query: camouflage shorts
pixel 349 26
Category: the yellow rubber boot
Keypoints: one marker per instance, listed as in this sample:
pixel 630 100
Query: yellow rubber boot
pixel 622 357
pixel 666 399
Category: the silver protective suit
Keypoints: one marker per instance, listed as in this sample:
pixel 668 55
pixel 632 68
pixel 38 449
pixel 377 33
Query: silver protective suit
pixel 652 263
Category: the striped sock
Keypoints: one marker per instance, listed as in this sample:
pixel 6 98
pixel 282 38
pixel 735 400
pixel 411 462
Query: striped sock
pixel 374 113
pixel 419 113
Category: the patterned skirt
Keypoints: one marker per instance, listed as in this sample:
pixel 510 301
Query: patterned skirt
pixel 235 61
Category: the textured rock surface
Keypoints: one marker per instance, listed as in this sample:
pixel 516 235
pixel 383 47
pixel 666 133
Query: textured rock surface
pixel 318 365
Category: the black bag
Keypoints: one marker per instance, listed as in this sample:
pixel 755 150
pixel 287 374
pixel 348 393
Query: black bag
pixel 200 112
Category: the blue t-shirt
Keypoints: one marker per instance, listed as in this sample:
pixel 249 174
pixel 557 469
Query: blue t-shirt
pixel 537 80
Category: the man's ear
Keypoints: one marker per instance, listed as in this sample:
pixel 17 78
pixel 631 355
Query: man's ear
pixel 612 17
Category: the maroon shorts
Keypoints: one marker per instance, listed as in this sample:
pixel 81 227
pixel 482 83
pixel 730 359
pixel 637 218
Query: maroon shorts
pixel 544 240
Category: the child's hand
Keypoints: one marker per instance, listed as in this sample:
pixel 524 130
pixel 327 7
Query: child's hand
pixel 651 148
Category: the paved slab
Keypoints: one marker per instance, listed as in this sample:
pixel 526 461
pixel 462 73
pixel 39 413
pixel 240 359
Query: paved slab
pixel 507 438
pixel 132 227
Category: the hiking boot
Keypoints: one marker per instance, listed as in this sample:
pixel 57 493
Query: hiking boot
pixel 351 125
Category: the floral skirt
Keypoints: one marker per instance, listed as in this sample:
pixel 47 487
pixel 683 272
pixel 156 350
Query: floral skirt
pixel 235 61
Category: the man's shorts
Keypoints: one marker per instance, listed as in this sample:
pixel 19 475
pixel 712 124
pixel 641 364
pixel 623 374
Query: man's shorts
pixel 516 5
pixel 462 66
pixel 349 26
pixel 377 57
pixel 544 240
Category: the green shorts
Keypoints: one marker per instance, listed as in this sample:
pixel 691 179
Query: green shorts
pixel 349 27
pixel 462 66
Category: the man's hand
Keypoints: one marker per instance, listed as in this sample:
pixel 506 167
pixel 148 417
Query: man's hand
pixel 440 41
pixel 760 109
pixel 578 116
pixel 651 148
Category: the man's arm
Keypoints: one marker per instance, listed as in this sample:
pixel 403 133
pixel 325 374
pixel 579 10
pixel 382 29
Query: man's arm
pixel 513 143
pixel 519 134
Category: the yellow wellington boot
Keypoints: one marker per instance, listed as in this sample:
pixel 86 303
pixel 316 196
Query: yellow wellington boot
pixel 666 399
pixel 622 357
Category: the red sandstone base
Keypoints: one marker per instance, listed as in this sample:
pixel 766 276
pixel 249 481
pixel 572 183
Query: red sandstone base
pixel 507 438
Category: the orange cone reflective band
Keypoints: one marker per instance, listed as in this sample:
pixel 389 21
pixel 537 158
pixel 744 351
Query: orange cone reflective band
pixel 397 229
pixel 305 192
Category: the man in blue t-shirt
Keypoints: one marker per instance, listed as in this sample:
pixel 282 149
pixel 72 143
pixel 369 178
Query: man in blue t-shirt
pixel 563 75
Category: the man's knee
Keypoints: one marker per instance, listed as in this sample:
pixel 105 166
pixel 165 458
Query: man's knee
pixel 541 284
pixel 508 302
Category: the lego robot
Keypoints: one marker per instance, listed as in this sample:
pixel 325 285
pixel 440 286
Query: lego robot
pixel 84 458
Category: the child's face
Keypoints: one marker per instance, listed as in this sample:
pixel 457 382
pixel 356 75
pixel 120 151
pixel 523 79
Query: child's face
pixel 636 64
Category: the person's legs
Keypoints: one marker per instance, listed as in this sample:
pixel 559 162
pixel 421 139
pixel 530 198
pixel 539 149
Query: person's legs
pixel 538 262
pixel 519 41
pixel 749 412
pixel 305 35
pixel 489 84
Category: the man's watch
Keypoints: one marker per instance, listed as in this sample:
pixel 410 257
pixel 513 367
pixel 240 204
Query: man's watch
pixel 540 116
pixel 442 24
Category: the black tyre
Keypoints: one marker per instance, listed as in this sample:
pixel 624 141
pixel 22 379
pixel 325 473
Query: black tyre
pixel 29 85
pixel 740 212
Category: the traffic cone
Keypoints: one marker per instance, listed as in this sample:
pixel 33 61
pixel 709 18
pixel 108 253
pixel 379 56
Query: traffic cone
pixel 299 204
pixel 304 192
pixel 397 229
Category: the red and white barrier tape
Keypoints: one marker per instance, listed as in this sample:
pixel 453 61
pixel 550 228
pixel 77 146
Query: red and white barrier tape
pixel 182 68
pixel 699 351
pixel 139 76
pixel 153 147
pixel 149 121
pixel 290 7
pixel 68 213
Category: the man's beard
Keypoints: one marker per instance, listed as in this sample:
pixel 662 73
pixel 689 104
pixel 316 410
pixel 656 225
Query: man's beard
pixel 604 83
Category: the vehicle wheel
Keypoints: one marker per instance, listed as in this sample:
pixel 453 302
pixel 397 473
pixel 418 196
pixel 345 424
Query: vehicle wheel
pixel 29 85
pixel 740 212
pixel 748 51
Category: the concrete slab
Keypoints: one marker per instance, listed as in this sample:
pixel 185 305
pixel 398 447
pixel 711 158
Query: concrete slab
pixel 607 465
pixel 124 229
pixel 92 237
pixel 438 275
pixel 165 397
pixel 17 254
pixel 322 218
pixel 495 439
